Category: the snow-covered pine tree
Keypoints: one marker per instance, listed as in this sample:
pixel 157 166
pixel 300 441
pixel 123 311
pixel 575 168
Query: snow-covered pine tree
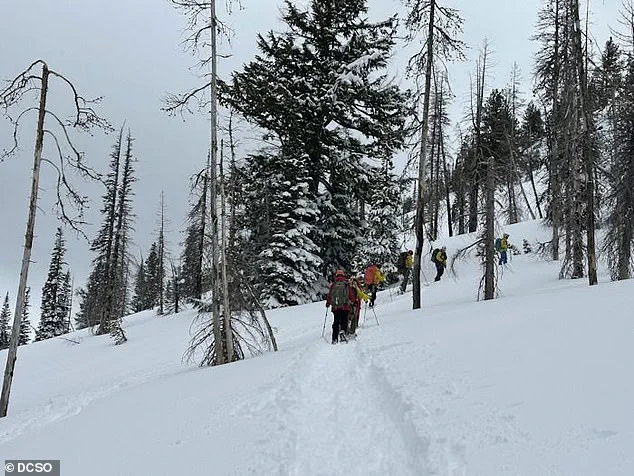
pixel 380 243
pixel 25 324
pixel 287 264
pixel 152 277
pixel 5 330
pixel 53 311
pixel 322 87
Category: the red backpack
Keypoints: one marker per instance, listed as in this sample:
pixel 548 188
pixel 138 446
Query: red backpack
pixel 370 275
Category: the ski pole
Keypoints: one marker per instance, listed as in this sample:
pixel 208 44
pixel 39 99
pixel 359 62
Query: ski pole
pixel 365 313
pixel 376 317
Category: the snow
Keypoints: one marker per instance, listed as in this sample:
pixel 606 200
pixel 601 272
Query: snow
pixel 537 382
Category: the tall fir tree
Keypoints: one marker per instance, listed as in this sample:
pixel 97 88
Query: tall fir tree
pixel 321 87
pixel 5 317
pixel 93 308
pixel 104 301
pixel 54 307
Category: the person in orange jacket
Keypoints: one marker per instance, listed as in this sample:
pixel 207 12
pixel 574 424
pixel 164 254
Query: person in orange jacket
pixel 373 277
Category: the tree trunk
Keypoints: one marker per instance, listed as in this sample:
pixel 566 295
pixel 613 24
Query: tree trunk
pixel 226 305
pixel 588 160
pixel 420 205
pixel 216 289
pixel 447 199
pixel 554 182
pixel 12 354
pixel 489 235
pixel 161 259
pixel 532 179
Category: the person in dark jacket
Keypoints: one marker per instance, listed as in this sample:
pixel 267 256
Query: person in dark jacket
pixel 341 296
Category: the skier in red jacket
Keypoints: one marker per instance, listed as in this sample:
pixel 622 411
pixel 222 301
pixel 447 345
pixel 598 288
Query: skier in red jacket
pixel 341 296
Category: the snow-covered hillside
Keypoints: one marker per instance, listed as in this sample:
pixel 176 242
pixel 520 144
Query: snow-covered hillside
pixel 537 383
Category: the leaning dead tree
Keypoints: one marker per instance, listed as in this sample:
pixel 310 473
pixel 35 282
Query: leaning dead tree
pixel 28 83
pixel 230 318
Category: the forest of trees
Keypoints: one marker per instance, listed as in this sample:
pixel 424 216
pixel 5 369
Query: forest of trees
pixel 268 227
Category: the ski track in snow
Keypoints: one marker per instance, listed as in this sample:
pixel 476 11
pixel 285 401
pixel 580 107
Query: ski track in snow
pixel 333 412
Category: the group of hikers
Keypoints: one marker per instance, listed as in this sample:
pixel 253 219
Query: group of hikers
pixel 346 294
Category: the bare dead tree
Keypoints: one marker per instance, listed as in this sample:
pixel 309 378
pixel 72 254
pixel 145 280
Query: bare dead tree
pixel 84 119
pixel 221 336
pixel 442 26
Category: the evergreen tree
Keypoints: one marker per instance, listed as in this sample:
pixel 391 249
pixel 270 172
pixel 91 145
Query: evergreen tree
pixel 139 302
pixel 25 324
pixel 105 299
pixel 381 242
pixel 620 236
pixel 152 278
pixel 287 264
pixel 93 305
pixel 193 250
pixel 54 308
pixel 5 329
pixel 321 87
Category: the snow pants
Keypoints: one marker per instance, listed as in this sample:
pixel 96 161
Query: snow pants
pixel 371 288
pixel 339 323
pixel 354 318
pixel 440 269
pixel 406 272
pixel 503 257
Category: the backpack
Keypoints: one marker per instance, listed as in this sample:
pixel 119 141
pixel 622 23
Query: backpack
pixel 434 254
pixel 339 295
pixel 401 260
pixel 370 275
pixel 498 244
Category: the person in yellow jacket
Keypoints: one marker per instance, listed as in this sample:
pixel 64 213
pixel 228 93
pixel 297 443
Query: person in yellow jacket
pixel 373 277
pixel 355 310
pixel 502 245
pixel 440 258
pixel 405 264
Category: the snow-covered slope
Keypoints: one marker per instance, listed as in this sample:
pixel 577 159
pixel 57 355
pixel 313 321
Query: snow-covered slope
pixel 537 382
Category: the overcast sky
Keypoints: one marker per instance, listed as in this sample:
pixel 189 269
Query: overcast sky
pixel 129 52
